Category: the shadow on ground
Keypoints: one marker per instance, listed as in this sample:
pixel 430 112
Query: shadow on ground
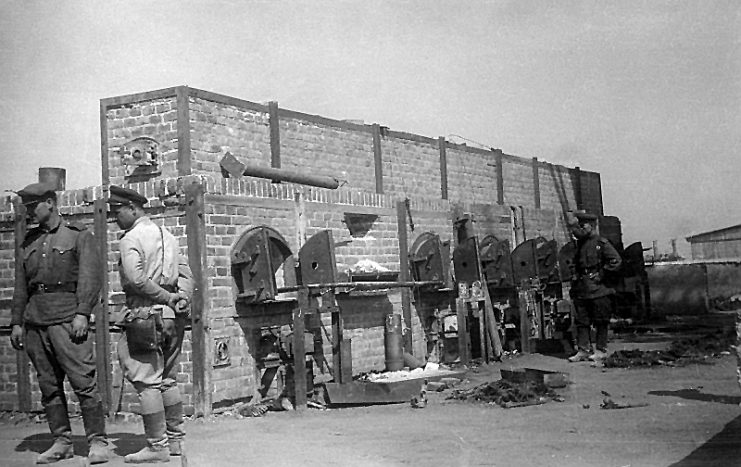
pixel 696 395
pixel 723 449
pixel 121 443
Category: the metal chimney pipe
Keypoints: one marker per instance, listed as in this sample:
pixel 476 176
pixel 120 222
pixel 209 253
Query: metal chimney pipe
pixel 54 175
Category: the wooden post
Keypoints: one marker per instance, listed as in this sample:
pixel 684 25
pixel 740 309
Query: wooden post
pixel 102 331
pixel 524 322
pixel 464 349
pixel 182 97
pixel 500 176
pixel 492 326
pixel 378 157
pixel 337 341
pixel 104 143
pixel 299 350
pixel 22 362
pixel 578 195
pixel 443 168
pixel 274 135
pixel 482 331
pixel 196 236
pixel 404 274
pixel 536 183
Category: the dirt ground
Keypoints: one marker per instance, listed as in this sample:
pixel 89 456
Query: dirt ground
pixel 692 418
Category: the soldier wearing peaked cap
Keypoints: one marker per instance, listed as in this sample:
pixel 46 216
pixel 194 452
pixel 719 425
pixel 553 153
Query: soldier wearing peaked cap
pixel 593 304
pixel 52 301
pixel 158 285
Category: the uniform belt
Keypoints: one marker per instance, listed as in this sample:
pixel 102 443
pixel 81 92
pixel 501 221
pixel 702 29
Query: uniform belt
pixel 69 287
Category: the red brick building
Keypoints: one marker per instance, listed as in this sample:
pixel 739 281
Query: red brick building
pixel 168 145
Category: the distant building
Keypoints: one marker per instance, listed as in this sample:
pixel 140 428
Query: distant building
pixel 723 243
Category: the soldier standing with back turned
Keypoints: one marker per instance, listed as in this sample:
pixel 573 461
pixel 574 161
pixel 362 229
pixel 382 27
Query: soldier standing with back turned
pixel 52 302
pixel 594 258
pixel 158 284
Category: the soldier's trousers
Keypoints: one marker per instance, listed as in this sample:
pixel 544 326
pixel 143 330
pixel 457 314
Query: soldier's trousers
pixel 738 347
pixel 55 355
pixel 154 376
pixel 594 311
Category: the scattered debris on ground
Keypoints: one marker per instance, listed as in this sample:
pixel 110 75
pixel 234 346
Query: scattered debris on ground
pixel 420 402
pixel 15 417
pixel 681 352
pixel 609 404
pixel 430 370
pixel 507 394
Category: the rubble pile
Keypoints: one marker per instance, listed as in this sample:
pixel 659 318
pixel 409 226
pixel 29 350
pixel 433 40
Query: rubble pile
pixel 681 352
pixel 506 394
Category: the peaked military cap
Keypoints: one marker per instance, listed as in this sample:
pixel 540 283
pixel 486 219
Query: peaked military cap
pixel 586 216
pixel 119 196
pixel 37 192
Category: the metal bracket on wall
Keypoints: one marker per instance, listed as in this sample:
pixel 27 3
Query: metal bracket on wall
pixel 140 157
pixel 221 352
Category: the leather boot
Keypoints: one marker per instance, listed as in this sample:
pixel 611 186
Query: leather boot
pixel 176 446
pixel 155 429
pixel 174 418
pixel 94 421
pixel 61 449
pixel 56 416
pixel 580 356
pixel 99 452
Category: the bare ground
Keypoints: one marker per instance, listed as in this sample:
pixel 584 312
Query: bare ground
pixel 692 419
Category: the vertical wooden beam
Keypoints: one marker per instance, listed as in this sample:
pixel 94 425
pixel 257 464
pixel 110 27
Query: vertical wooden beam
pixel 299 350
pixel 274 134
pixel 23 386
pixel 182 97
pixel 404 275
pixel 102 336
pixel 104 143
pixel 378 157
pixel 578 195
pixel 500 176
pixel 464 348
pixel 338 340
pixel 200 337
pixel 536 182
pixel 522 298
pixel 443 168
pixel 601 210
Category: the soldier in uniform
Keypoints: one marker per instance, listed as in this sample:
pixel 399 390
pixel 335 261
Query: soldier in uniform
pixel 52 302
pixel 593 299
pixel 738 348
pixel 158 285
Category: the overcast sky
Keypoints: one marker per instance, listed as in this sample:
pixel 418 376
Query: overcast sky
pixel 648 93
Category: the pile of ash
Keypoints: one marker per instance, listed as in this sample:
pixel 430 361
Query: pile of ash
pixel 681 352
pixel 507 394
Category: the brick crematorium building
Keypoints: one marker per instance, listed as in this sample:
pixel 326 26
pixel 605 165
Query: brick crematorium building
pixel 177 146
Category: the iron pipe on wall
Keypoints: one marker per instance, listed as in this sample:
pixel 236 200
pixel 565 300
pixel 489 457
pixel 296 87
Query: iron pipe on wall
pixel 235 168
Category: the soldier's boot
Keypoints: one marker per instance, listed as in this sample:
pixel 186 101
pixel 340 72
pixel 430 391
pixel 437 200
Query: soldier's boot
pixel 156 449
pixel 174 419
pixel 582 344
pixel 56 416
pixel 598 356
pixel 94 420
pixel 580 356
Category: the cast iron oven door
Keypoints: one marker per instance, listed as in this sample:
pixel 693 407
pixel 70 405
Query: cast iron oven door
pixel 256 258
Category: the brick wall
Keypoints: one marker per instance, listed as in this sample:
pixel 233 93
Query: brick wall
pixel 196 128
pixel 155 118
pixel 410 164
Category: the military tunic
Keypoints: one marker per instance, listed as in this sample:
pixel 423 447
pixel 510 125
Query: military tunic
pixel 594 258
pixel 151 268
pixel 61 278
